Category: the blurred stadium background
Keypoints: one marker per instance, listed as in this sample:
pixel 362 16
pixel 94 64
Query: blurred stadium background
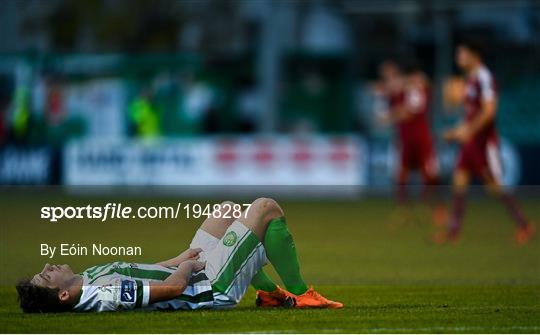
pixel 242 92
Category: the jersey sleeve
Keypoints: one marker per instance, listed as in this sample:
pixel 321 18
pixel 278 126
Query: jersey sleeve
pixel 117 292
pixel 487 85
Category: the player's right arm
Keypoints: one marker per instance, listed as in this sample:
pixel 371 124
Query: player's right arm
pixel 176 283
pixel 189 254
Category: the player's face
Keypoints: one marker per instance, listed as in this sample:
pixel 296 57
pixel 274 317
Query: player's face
pixel 415 79
pixel 388 71
pixel 53 276
pixel 464 57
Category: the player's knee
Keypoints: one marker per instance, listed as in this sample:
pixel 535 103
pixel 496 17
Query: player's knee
pixel 264 205
pixel 460 182
pixel 494 189
pixel 259 214
pixel 459 186
pixel 459 189
pixel 266 208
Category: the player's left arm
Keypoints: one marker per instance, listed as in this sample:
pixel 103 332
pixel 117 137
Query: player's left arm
pixel 189 254
pixel 465 131
pixel 175 284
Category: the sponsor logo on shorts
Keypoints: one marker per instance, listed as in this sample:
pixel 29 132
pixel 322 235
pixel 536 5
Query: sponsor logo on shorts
pixel 128 291
pixel 230 239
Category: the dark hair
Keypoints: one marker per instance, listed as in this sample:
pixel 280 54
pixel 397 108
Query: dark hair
pixel 392 62
pixel 412 66
pixel 473 45
pixel 39 299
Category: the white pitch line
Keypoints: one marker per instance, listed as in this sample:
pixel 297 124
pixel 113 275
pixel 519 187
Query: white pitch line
pixel 408 330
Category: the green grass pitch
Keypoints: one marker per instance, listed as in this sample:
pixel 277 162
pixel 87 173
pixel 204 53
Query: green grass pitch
pixel 376 260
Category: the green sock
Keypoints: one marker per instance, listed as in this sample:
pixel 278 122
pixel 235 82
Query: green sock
pixel 281 252
pixel 261 281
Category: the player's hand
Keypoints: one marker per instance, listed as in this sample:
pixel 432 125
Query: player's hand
pixel 453 92
pixel 463 133
pixel 191 254
pixel 198 266
pixel 449 135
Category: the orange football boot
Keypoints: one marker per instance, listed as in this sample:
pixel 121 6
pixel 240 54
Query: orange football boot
pixel 524 234
pixel 312 299
pixel 275 298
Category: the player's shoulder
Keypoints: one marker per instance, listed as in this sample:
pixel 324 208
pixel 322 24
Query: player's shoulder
pixel 88 298
pixel 484 75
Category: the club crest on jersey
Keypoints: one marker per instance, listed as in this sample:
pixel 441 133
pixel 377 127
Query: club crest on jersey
pixel 230 239
pixel 127 293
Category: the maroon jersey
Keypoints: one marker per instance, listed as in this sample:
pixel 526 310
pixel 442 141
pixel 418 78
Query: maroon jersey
pixel 480 87
pixel 416 128
pixel 415 143
pixel 480 156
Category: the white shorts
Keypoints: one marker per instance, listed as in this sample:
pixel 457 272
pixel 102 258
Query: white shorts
pixel 231 262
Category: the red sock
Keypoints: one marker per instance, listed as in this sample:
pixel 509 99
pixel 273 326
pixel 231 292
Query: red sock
pixel 514 210
pixel 458 210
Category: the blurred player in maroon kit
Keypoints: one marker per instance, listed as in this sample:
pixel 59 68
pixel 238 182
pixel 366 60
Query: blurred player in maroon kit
pixel 409 98
pixel 479 154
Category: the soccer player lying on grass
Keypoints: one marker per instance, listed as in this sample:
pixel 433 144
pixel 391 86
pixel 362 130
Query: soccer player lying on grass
pixel 225 257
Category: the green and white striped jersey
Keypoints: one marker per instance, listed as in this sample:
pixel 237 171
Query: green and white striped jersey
pixel 123 286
